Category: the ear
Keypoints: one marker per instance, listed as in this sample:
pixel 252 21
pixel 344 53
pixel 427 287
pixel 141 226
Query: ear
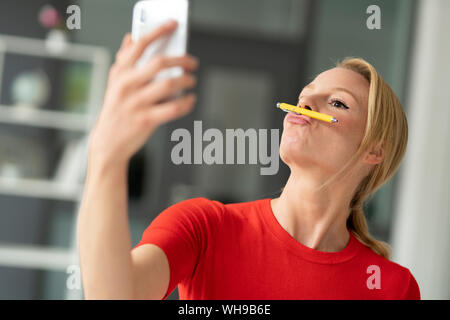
pixel 375 155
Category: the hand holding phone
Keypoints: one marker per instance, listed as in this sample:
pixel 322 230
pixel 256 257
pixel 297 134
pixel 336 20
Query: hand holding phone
pixel 148 15
pixel 134 104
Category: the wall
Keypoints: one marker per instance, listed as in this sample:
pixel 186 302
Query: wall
pixel 421 239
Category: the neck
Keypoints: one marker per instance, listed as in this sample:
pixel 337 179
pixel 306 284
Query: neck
pixel 315 218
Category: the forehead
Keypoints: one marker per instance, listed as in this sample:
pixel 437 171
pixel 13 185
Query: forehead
pixel 342 78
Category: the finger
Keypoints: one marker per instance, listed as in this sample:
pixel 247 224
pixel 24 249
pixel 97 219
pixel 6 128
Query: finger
pixel 171 110
pixel 137 77
pixel 139 47
pixel 126 42
pixel 163 89
pixel 141 76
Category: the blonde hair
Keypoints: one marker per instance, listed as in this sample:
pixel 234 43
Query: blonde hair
pixel 386 126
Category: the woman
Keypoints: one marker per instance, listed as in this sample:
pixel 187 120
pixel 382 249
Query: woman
pixel 312 242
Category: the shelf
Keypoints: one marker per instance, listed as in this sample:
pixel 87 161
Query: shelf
pixel 39 48
pixel 35 257
pixel 44 189
pixel 45 118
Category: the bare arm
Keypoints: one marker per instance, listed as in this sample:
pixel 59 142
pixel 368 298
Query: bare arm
pixel 105 241
pixel 104 236
pixel 130 113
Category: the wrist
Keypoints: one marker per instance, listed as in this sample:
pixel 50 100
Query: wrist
pixel 102 157
pixel 99 164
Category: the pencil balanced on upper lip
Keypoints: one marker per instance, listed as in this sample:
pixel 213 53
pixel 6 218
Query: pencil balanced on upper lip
pixel 306 114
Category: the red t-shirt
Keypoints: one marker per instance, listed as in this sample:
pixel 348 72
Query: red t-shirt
pixel 240 251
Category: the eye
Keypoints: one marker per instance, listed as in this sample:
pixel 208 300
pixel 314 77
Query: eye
pixel 338 104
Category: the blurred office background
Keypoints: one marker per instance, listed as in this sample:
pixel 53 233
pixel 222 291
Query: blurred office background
pixel 253 53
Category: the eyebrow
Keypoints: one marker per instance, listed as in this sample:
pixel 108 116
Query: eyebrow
pixel 311 86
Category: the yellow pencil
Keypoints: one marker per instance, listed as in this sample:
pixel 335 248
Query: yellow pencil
pixel 316 115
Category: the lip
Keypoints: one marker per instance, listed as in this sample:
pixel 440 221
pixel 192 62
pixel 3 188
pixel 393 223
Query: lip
pixel 298 118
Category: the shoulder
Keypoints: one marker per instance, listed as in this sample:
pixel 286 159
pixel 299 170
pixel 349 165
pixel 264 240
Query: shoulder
pixel 203 205
pixel 403 278
pixel 195 210
pixel 244 212
pixel 202 212
pixel 393 275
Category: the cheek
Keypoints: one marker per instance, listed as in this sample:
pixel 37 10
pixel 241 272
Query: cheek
pixel 348 133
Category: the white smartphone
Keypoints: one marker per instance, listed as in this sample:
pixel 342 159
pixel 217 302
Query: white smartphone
pixel 149 14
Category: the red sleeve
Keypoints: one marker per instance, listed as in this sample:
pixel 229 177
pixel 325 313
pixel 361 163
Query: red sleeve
pixel 412 291
pixel 182 232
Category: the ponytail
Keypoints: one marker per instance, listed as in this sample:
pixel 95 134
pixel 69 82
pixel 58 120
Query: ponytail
pixel 358 224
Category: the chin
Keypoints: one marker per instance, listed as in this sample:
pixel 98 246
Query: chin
pixel 294 155
pixel 290 152
pixel 292 143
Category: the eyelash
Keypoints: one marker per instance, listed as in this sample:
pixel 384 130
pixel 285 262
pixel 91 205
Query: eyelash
pixel 336 100
pixel 343 104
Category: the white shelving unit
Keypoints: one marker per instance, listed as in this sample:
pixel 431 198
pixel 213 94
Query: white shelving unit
pixel 45 119
pixel 37 258
pixel 45 257
pixel 43 189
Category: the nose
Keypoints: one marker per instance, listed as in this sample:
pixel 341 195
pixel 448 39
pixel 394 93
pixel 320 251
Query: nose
pixel 305 103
